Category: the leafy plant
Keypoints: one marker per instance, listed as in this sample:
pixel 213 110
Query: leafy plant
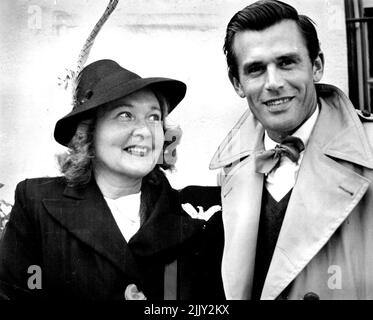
pixel 5 209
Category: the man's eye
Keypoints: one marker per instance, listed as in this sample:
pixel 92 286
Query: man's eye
pixel 286 63
pixel 255 70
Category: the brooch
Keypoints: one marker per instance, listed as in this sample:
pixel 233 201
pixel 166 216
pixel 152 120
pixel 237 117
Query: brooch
pixel 132 293
pixel 200 214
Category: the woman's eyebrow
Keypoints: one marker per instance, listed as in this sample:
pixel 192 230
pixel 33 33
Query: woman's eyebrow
pixel 128 105
pixel 155 107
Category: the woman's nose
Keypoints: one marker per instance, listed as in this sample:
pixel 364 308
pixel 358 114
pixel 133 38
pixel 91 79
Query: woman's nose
pixel 274 80
pixel 142 128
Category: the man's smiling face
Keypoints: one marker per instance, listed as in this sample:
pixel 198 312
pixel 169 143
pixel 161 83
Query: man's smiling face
pixel 276 76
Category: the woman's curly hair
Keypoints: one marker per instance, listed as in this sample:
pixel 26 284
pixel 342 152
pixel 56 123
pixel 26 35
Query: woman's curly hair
pixel 76 163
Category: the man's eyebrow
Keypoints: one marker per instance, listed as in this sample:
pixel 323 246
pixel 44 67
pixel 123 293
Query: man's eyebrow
pixel 293 56
pixel 252 64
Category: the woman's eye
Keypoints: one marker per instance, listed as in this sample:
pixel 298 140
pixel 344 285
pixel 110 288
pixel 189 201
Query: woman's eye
pixel 125 116
pixel 155 117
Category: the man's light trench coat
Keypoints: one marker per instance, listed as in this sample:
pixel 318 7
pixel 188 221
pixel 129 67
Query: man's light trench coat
pixel 325 245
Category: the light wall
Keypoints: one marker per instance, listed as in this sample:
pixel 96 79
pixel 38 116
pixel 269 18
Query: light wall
pixel 172 38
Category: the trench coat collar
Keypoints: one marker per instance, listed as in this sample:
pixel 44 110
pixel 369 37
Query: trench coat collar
pixel 325 193
pixel 84 213
pixel 244 139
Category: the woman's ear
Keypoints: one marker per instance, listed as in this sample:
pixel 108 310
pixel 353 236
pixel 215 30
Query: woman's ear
pixel 318 67
pixel 236 85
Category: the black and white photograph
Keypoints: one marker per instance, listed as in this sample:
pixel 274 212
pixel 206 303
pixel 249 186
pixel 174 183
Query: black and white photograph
pixel 186 150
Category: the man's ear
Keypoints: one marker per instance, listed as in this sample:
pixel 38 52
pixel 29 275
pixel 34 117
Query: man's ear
pixel 318 67
pixel 236 85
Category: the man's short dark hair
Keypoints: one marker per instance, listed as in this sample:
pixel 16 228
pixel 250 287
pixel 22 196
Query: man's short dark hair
pixel 264 14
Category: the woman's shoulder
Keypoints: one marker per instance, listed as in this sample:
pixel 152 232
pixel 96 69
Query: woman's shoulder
pixel 39 187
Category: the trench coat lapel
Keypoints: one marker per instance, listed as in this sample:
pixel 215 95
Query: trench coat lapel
pixel 84 213
pixel 325 193
pixel 241 221
pixel 241 201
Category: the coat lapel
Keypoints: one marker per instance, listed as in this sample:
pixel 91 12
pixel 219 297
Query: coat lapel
pixel 241 221
pixel 85 214
pixel 326 191
pixel 241 141
pixel 241 200
pixel 167 229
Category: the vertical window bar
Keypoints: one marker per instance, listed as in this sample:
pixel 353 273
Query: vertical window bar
pixel 359 20
pixel 364 57
pixel 368 12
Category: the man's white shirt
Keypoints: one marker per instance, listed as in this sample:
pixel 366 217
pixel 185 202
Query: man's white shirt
pixel 282 179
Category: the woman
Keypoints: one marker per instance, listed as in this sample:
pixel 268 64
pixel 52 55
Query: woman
pixel 112 227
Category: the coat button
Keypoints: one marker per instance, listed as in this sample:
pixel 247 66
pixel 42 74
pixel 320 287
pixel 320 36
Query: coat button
pixel 311 296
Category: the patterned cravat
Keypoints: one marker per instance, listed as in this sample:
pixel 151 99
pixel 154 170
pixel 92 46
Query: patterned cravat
pixel 268 160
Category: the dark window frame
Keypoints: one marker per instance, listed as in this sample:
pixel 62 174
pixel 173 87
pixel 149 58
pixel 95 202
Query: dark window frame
pixel 360 81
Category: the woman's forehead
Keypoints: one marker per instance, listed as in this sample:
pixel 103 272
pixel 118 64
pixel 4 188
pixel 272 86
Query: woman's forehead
pixel 145 98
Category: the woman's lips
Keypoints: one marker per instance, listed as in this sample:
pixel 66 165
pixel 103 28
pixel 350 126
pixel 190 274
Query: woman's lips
pixel 139 151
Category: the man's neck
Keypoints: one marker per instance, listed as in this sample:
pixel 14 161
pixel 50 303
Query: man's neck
pixel 279 136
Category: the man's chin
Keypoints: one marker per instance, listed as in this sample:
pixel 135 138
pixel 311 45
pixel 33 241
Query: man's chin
pixel 277 133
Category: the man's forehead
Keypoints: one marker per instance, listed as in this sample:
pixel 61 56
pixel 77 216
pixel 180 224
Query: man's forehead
pixel 281 39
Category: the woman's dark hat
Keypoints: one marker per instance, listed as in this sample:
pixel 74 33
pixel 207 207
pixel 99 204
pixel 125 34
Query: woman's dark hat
pixel 105 81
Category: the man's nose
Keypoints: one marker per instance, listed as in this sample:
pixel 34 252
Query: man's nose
pixel 274 80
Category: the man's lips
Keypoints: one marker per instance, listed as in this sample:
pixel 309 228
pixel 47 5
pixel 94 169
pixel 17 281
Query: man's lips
pixel 277 101
pixel 139 151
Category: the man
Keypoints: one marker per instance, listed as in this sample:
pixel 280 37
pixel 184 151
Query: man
pixel 297 191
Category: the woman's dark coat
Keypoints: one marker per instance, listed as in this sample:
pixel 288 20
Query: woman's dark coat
pixel 70 233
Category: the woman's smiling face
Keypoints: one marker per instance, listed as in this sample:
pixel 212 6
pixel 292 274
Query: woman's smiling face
pixel 129 137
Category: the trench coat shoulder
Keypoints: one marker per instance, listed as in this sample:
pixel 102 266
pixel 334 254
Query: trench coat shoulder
pixel 366 119
pixel 364 115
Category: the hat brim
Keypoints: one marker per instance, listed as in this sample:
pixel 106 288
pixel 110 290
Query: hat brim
pixel 105 92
